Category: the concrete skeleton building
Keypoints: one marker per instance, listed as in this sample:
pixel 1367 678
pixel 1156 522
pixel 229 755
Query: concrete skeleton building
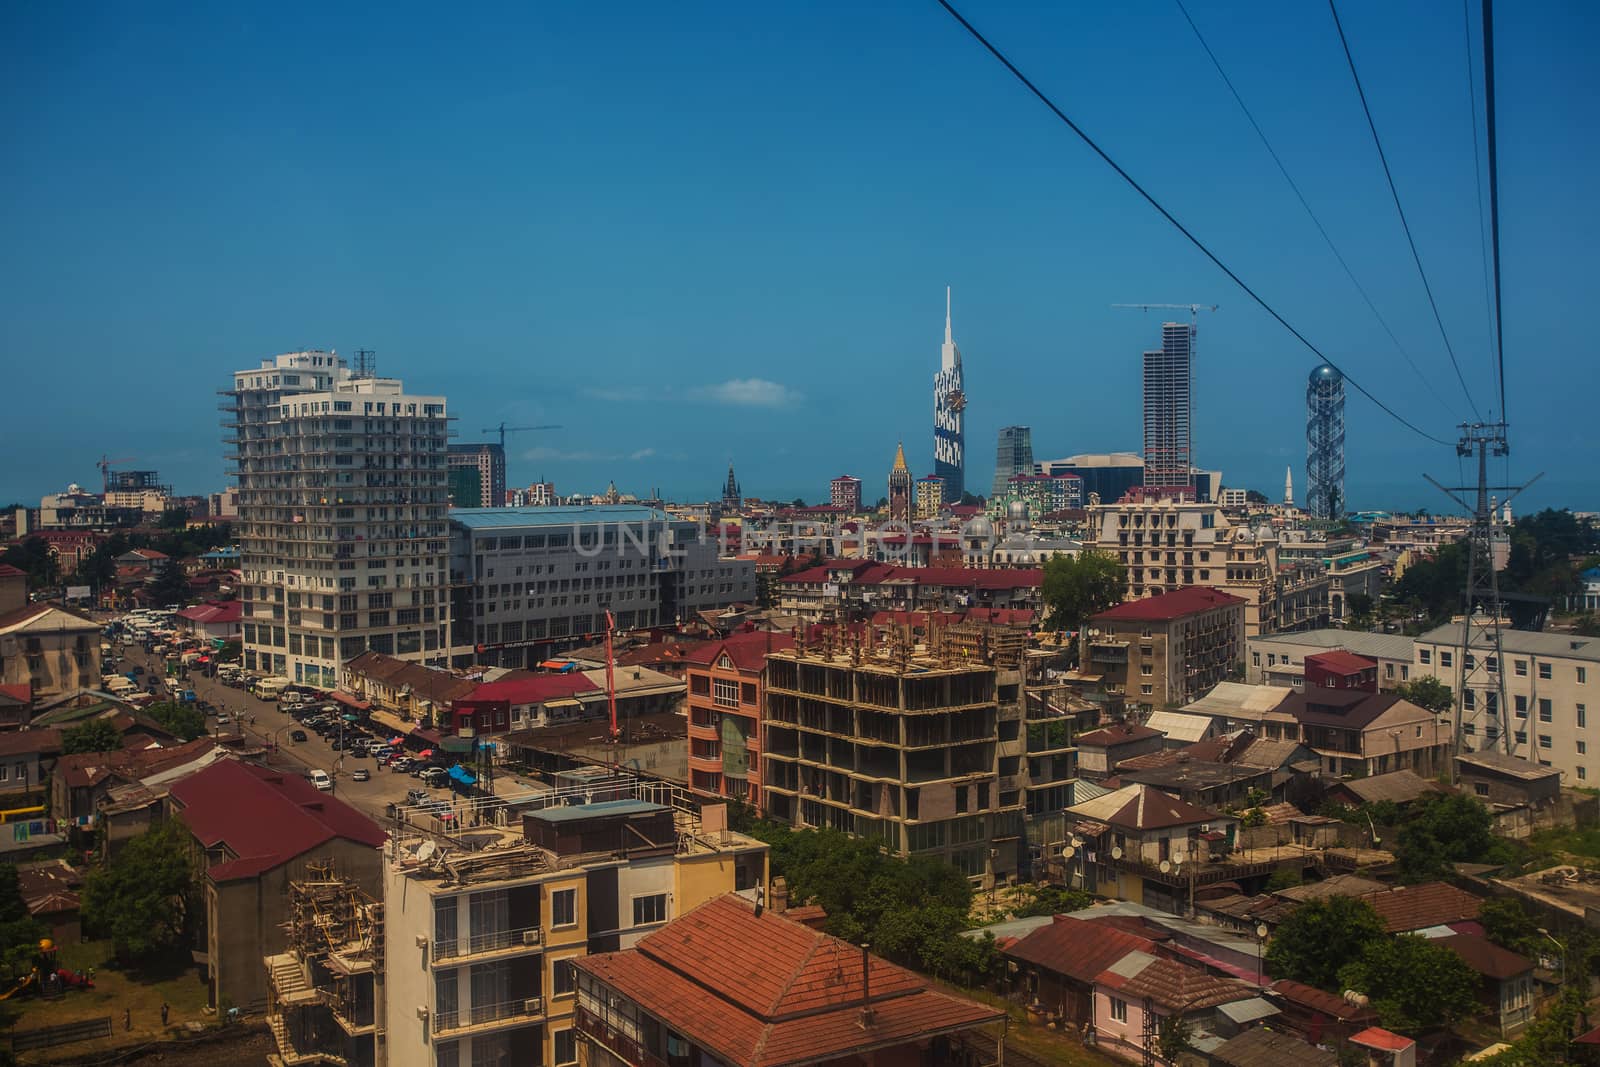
pixel 342 530
pixel 483 926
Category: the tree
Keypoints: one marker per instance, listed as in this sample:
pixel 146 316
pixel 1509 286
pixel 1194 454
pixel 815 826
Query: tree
pixel 96 735
pixel 19 931
pixel 1360 607
pixel 174 519
pixel 1076 587
pixel 1508 923
pixel 1414 984
pixel 1427 692
pixel 171 586
pixel 33 555
pixel 1052 900
pixel 1444 829
pixel 183 721
pixel 1320 938
pixel 141 900
pixel 1254 496
pixel 1172 1037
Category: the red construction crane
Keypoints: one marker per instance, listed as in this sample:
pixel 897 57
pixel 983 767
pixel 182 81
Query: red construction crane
pixel 611 677
pixel 105 469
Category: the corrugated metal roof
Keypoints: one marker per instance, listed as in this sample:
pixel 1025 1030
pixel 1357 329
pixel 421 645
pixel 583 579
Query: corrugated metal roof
pixel 1178 726
pixel 1514 642
pixel 1238 698
pixel 1377 646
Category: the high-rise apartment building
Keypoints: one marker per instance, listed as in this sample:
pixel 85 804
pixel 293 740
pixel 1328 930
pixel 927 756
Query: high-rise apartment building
pixel 930 496
pixel 489 461
pixel 900 487
pixel 1168 400
pixel 1325 443
pixel 844 492
pixel 343 539
pixel 949 405
pixel 1012 456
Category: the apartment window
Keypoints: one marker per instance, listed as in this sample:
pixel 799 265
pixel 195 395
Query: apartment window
pixel 1583 675
pixel 1582 773
pixel 1469 662
pixel 1544 671
pixel 1445 658
pixel 1520 737
pixel 1146 690
pixel 1520 702
pixel 1255 659
pixel 1544 741
pixel 1583 748
pixel 1544 710
pixel 1119 1010
pixel 1469 699
pixel 566 1043
pixel 564 978
pixel 1424 655
pixel 564 907
pixel 447 1054
pixel 1583 717
pixel 650 909
pixel 726 694
pixel 1519 667
pixel 1146 669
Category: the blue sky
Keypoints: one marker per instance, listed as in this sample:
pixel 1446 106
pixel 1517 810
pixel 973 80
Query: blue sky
pixel 690 233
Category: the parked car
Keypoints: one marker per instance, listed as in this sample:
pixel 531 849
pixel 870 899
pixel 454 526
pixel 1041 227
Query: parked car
pixel 297 735
pixel 359 752
pixel 321 780
pixel 360 774
pixel 402 764
pixel 223 720
pixel 434 777
pixel 417 796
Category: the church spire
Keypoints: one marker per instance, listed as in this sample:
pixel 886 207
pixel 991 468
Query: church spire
pixel 900 458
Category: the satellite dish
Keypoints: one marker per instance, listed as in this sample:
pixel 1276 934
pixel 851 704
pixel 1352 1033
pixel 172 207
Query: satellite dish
pixel 1116 852
pixel 1077 842
pixel 1068 852
pixel 425 851
pixel 1166 867
pixel 1261 930
pixel 1179 856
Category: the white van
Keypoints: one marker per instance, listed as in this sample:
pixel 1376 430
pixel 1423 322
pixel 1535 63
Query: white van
pixel 320 779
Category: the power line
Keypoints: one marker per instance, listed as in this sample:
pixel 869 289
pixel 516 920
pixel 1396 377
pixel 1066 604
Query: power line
pixel 1153 202
pixel 1265 143
pixel 1494 192
pixel 1477 177
pixel 1394 192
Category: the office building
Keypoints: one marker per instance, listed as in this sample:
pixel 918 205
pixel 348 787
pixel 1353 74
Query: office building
pixel 1164 651
pixel 930 496
pixel 1013 455
pixel 1325 443
pixel 488 461
pixel 482 929
pixel 844 493
pixel 900 487
pixel 530 583
pixel 1168 400
pixel 342 532
pixel 1106 476
pixel 949 407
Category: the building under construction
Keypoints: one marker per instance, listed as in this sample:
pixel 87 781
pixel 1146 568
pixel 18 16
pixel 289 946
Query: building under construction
pixel 932 746
pixel 326 991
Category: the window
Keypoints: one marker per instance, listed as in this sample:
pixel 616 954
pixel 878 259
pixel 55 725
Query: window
pixel 1544 710
pixel 564 907
pixel 1145 690
pixel 1119 1010
pixel 1544 741
pixel 1583 748
pixel 1520 702
pixel 1521 737
pixel 566 1042
pixel 1583 717
pixel 564 978
pixel 1425 655
pixel 1445 659
pixel 1520 667
pixel 1583 675
pixel 1544 671
pixel 1255 659
pixel 447 1054
pixel 1481 789
pixel 650 909
pixel 1582 773
pixel 725 693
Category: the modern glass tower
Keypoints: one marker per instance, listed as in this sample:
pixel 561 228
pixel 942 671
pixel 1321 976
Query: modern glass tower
pixel 949 403
pixel 1325 443
pixel 1012 456
pixel 1168 396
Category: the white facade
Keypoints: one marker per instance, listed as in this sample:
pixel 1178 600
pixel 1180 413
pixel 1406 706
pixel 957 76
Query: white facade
pixel 342 530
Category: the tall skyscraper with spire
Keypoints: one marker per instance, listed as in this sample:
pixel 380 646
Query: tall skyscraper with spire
pixel 949 404
pixel 900 486
pixel 1325 443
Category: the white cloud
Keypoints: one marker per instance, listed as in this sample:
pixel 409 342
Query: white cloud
pixel 561 455
pixel 749 393
pixel 616 396
pixel 642 453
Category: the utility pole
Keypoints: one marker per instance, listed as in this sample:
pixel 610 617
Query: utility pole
pixel 1480 658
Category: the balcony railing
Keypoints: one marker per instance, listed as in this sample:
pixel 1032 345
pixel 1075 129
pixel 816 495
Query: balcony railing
pixel 479 1014
pixel 494 941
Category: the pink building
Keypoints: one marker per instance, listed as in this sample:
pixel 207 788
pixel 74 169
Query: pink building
pixel 1140 985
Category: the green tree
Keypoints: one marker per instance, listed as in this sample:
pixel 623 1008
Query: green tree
pixel 19 931
pixel 1414 984
pixel 1172 1037
pixel 1052 900
pixel 142 899
pixel 1444 829
pixel 1076 587
pixel 183 721
pixel 96 735
pixel 1320 938
pixel 1428 693
pixel 171 586
pixel 33 555
pixel 1360 607
pixel 1508 923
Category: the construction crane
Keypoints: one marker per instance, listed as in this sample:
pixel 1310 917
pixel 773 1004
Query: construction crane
pixel 611 678
pixel 105 470
pixel 503 429
pixel 1193 309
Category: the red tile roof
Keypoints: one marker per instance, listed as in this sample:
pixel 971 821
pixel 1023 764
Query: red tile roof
pixel 1077 948
pixel 8 571
pixel 21 742
pixel 868 572
pixel 1152 809
pixel 748 651
pixel 263 818
pixel 1337 659
pixel 22 694
pixel 1486 957
pixel 1329 1004
pixel 1377 1037
pixel 530 689
pixel 214 614
pixel 763 990
pixel 1119 734
pixel 1417 907
pixel 85 769
pixel 1177 986
pixel 1189 600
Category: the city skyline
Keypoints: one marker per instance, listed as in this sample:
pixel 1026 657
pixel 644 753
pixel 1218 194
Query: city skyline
pixel 540 286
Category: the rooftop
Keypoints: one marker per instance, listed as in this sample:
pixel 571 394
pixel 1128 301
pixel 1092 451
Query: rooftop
pixel 747 652
pixel 1337 659
pixel 1142 807
pixel 1399 787
pixel 586 514
pixel 1486 957
pixel 1239 700
pixel 1077 948
pixel 762 990
pixel 1348 708
pixel 1260 1047
pixel 1119 734
pixel 1501 763
pixel 1417 907
pixel 1170 984
pixel 1521 642
pixel 34 741
pixel 1190 600
pixel 1374 646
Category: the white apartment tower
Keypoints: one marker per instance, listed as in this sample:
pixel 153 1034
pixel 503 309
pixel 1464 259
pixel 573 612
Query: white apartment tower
pixel 343 534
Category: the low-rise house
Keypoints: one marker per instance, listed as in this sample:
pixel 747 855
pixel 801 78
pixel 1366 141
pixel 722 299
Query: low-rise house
pixel 1257 708
pixel 1057 964
pixel 26 758
pixel 1320 1017
pixel 1522 795
pixel 1100 751
pixel 1506 989
pixel 1400 788
pixel 1134 843
pixel 83 783
pixel 1409 908
pixel 1260 1047
pixel 1366 734
pixel 1134 994
pixel 53 651
pixel 16 706
pixel 732 983
pixel 1182 729
pixel 50 890
pixel 400 694
pixel 214 621
pixel 1384 1048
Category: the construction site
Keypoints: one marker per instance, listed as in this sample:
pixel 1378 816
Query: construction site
pixel 326 991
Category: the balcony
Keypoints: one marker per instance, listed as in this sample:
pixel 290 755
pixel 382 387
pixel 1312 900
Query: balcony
pixel 485 1017
pixel 506 942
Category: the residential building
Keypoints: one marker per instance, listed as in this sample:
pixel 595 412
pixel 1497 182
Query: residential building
pixel 1338 669
pixel 26 759
pixel 726 681
pixel 1551 681
pixel 736 983
pixel 1408 909
pixel 1100 751
pixel 848 589
pixel 254 830
pixel 1145 846
pixel 1352 574
pixel 342 532
pixel 52 650
pixel 1234 498
pixel 398 694
pixel 1261 1047
pixel 1044 494
pixel 900 502
pixel 1279 659
pixel 930 496
pixel 1132 996
pixel 844 493
pixel 1164 651
pixel 521 701
pixel 1505 980
pixel 489 463
pixel 1013 455
pixel 919 748
pixel 480 943
pixel 223 505
pixel 1507 781
pixel 1106 477
pixel 81 784
pixel 16 706
pixel 1168 394
pixel 1058 963
pixel 215 621
pixel 1367 734
pixel 13 589
pixel 949 416
pixel 532 582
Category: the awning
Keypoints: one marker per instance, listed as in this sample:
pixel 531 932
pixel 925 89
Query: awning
pixel 392 721
pixel 557 665
pixel 351 702
pixel 563 702
pixel 432 737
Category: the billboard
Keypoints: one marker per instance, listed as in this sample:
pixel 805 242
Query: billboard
pixel 79 592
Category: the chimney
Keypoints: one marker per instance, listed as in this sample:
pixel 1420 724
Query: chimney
pixel 866 987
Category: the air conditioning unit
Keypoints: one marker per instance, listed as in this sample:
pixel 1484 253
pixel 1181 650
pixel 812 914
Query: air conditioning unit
pixel 1205 828
pixel 533 1006
pixel 530 937
pixel 422 1012
pixel 422 941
